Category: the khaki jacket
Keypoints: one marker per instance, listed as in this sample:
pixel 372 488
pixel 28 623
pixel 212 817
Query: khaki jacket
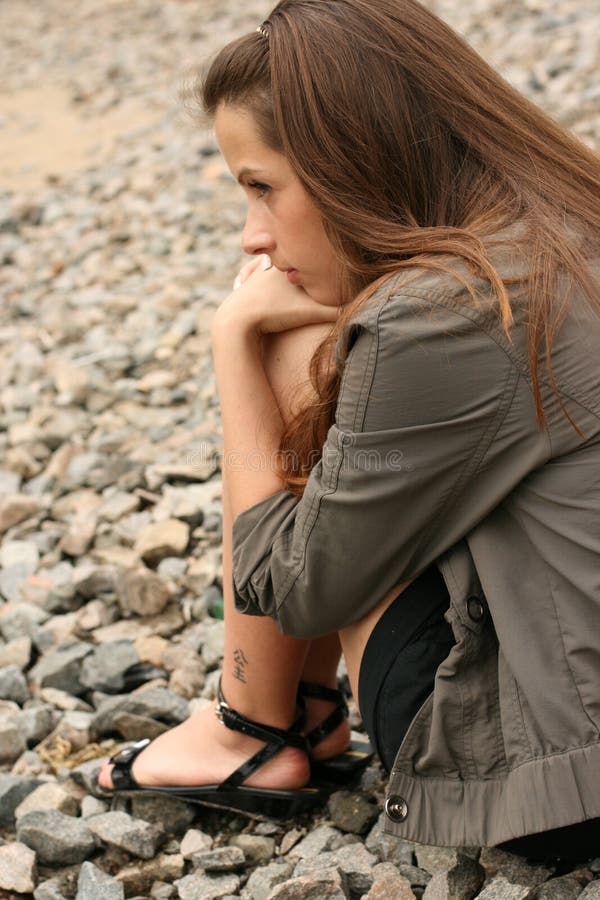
pixel 435 457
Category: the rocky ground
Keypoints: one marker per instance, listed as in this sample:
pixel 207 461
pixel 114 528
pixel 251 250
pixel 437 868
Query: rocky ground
pixel 118 238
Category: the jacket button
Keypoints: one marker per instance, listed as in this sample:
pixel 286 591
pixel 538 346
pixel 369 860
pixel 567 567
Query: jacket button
pixel 396 808
pixel 475 609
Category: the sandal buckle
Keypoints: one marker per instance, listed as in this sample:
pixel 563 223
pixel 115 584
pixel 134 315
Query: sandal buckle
pixel 221 710
pixel 127 754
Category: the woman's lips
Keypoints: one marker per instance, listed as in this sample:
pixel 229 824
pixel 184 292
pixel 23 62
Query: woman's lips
pixel 293 276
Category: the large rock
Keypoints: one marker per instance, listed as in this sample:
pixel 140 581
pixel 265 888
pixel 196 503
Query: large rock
pixel 162 539
pixel 351 812
pixel 13 685
pixel 461 882
pixel 12 740
pixel 104 669
pixel 171 814
pixel 387 847
pixel 62 669
pixel 513 868
pixel 206 887
pixel 324 885
pixel 13 790
pixel 15 508
pixel 118 829
pixel 48 796
pixel 56 838
pixel 17 868
pixel 142 593
pixel 154 703
pixel 265 879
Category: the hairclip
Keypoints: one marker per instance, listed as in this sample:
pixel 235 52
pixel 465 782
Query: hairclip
pixel 263 31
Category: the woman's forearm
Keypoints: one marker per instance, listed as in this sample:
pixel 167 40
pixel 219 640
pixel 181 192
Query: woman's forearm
pixel 251 422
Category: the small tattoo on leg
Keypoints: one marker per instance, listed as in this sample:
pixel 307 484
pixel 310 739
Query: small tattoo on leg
pixel 239 665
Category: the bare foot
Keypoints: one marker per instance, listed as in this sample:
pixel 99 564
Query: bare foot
pixel 203 751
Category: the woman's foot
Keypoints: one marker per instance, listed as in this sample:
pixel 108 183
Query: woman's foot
pixel 203 751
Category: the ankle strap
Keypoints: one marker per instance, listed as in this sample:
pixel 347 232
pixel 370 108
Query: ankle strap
pixel 335 717
pixel 275 738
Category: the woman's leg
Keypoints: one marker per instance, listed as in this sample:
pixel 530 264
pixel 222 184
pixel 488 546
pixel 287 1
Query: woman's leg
pixel 261 667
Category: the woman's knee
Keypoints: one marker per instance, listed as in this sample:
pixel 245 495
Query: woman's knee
pixel 286 360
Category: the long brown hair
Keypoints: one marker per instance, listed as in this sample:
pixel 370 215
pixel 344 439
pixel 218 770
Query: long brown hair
pixel 415 151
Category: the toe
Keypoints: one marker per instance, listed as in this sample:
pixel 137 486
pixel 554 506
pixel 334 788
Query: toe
pixel 104 779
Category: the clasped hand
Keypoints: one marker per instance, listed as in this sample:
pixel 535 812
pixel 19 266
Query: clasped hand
pixel 264 302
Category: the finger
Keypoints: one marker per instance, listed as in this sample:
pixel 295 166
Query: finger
pixel 249 268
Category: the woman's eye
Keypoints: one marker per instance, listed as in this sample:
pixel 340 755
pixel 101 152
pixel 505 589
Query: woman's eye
pixel 259 187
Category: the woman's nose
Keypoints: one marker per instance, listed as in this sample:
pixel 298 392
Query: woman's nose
pixel 256 238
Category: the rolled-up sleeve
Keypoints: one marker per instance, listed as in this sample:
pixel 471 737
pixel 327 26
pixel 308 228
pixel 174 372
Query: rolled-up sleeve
pixel 435 425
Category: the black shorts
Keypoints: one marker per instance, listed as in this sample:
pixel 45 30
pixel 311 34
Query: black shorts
pixel 397 672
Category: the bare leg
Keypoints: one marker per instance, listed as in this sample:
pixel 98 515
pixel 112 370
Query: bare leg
pixel 261 667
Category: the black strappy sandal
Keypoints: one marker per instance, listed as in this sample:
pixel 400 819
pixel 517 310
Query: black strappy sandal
pixel 231 794
pixel 347 765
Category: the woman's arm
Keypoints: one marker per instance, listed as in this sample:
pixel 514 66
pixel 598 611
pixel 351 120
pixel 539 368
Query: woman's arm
pixel 252 424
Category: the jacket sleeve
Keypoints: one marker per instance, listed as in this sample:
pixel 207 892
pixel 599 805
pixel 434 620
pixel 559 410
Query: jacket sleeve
pixel 435 425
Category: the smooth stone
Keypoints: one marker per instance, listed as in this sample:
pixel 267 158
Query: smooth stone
pixel 134 728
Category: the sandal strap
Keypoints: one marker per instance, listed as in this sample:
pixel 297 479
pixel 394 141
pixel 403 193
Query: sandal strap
pixel 121 774
pixel 275 739
pixel 335 717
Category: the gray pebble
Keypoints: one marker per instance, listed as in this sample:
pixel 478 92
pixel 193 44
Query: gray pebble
pixel 55 837
pixel 206 887
pixel 13 685
pixel 94 884
pixel 118 829
pixel 264 879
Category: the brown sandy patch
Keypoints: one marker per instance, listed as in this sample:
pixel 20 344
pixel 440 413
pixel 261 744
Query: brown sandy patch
pixel 43 135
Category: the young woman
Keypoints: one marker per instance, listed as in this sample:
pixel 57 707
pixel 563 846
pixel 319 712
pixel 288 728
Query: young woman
pixel 408 376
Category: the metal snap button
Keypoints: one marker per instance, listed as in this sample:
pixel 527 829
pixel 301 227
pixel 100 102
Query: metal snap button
pixel 475 609
pixel 396 808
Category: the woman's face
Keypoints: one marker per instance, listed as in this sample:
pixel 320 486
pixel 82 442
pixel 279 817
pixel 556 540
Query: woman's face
pixel 282 220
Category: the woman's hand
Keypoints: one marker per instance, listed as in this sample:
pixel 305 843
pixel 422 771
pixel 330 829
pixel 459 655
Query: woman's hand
pixel 264 302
